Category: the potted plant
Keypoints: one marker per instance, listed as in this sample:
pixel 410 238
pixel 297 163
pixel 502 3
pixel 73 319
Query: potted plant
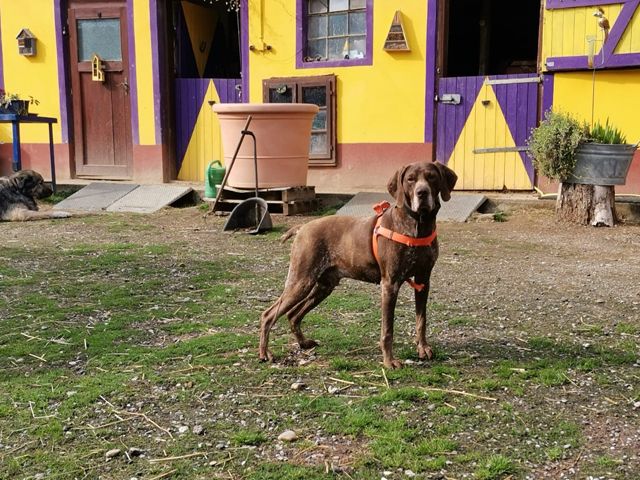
pixel 568 151
pixel 587 161
pixel 11 103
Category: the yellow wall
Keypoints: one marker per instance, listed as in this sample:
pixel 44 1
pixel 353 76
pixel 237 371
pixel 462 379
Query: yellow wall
pixel 617 97
pixel 31 76
pixel 383 102
pixel 144 73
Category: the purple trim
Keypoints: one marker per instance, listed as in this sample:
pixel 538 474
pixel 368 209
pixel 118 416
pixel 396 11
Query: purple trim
pixel 560 4
pixel 190 99
pixel 155 67
pixel 244 48
pixel 618 28
pixel 519 105
pixel 452 118
pixel 62 77
pixel 300 44
pixel 1 58
pixel 133 81
pixel 611 59
pixel 547 93
pixel 430 90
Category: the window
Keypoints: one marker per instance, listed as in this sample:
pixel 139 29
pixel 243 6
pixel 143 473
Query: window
pixel 334 33
pixel 320 91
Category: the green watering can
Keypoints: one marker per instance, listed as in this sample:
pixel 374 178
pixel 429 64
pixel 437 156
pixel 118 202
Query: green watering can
pixel 213 175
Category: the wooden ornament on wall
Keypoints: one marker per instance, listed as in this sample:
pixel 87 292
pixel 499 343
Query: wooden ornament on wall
pixel 396 40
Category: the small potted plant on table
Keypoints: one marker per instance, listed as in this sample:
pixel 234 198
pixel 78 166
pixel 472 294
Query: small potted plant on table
pixel 588 162
pixel 11 103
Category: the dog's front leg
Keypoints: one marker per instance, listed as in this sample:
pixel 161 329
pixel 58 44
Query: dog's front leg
pixel 424 350
pixel 390 291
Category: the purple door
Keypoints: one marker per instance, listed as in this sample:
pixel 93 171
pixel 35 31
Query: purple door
pixel 482 126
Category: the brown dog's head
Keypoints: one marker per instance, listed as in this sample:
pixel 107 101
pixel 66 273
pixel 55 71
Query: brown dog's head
pixel 30 183
pixel 417 186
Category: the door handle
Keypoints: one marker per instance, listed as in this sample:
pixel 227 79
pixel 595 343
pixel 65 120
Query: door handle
pixel 125 85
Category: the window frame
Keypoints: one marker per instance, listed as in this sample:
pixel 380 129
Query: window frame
pixel 329 157
pixel 301 40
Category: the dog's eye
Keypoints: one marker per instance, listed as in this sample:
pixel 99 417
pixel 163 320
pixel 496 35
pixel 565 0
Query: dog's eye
pixel 431 176
pixel 411 179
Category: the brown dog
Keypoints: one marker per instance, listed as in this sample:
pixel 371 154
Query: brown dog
pixel 330 248
pixel 18 194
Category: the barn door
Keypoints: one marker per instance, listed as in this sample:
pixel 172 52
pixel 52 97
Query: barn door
pixel 101 109
pixel 482 126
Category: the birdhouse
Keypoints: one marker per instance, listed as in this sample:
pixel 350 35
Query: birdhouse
pixel 26 43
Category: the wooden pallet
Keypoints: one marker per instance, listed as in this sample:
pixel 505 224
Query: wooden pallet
pixel 285 200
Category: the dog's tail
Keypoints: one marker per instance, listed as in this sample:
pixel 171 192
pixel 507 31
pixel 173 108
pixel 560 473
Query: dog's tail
pixel 292 232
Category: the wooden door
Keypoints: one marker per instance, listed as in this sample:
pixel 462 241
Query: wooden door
pixel 483 123
pixel 101 110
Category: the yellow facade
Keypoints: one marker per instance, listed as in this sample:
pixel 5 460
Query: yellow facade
pixel 35 76
pixel 380 103
pixel 144 72
pixel 616 97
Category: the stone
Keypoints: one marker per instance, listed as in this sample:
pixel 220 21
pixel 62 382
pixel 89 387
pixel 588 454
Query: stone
pixel 288 436
pixel 113 453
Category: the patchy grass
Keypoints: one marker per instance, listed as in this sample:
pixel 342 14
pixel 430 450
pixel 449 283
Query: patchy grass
pixel 141 331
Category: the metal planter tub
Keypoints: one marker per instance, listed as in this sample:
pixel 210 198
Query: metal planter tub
pixel 602 164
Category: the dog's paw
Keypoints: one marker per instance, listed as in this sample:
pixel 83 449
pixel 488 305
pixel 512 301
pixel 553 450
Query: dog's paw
pixel 60 215
pixel 392 364
pixel 425 352
pixel 265 357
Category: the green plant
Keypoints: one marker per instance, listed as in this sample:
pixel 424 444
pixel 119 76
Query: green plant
pixel 554 142
pixel 606 134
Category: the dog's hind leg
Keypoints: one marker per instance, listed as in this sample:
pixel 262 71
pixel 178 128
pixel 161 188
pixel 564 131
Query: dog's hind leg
pixel 320 291
pixel 293 294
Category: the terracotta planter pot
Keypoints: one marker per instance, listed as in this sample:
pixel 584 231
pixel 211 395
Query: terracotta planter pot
pixel 283 133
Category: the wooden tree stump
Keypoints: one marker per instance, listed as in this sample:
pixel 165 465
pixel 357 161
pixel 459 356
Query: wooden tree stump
pixel 587 204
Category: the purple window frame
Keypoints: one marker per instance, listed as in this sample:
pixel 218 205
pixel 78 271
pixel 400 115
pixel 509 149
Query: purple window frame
pixel 301 31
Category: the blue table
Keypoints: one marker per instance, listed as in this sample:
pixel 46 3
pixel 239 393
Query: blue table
pixel 15 121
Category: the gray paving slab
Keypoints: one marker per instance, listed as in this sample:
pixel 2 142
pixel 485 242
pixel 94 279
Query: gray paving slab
pixel 458 209
pixel 149 198
pixel 95 197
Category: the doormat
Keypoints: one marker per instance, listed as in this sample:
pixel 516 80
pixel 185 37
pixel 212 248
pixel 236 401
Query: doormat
pixel 458 209
pixel 149 198
pixel 95 197
pixel 123 197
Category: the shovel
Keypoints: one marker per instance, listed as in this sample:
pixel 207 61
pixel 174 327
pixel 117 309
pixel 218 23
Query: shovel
pixel 252 213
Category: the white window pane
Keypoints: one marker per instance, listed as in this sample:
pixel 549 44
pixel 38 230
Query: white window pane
pixel 317 27
pixel 338 48
pixel 318 6
pixel 358 4
pixel 338 25
pixel 100 36
pixel 338 5
pixel 317 48
pixel 357 23
pixel 318 143
pixel 357 47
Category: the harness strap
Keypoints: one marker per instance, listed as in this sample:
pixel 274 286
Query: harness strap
pixel 379 230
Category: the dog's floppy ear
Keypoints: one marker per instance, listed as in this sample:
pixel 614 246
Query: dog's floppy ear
pixel 448 180
pixel 394 186
pixel 19 180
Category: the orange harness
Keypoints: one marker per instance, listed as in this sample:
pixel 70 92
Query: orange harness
pixel 379 230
